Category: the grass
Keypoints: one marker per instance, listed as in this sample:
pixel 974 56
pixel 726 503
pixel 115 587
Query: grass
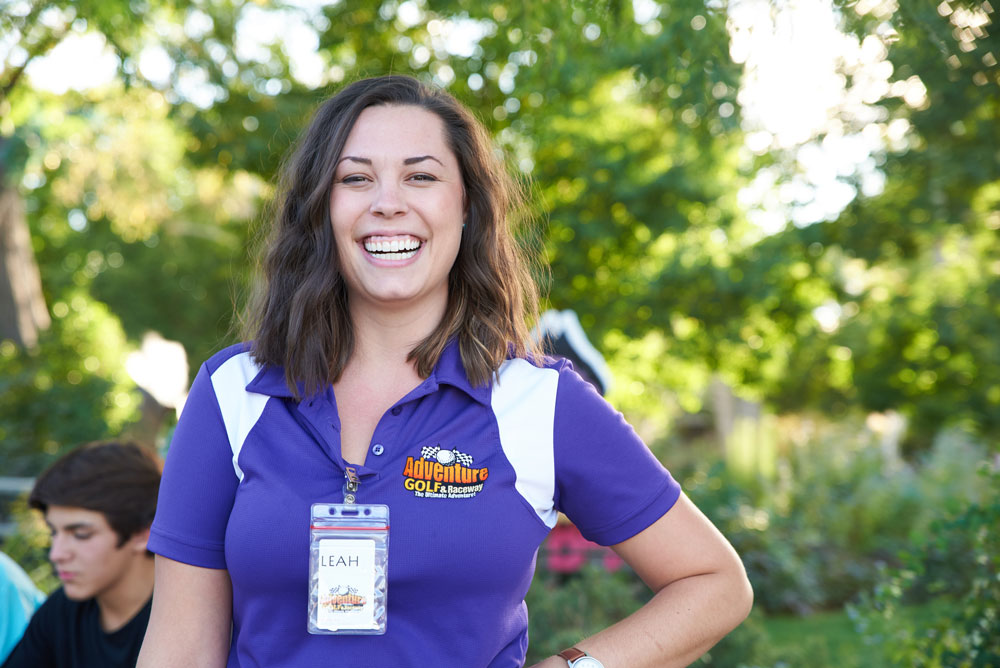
pixel 826 638
pixel 830 638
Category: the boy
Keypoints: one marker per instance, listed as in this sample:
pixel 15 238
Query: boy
pixel 98 501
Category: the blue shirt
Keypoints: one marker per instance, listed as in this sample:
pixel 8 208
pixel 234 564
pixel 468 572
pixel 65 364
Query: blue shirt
pixel 474 478
pixel 18 600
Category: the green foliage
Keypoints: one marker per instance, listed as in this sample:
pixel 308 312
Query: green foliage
pixel 70 390
pixel 631 135
pixel 814 536
pixel 918 264
pixel 119 215
pixel 29 544
pixel 562 610
pixel 140 194
pixel 746 646
pixel 959 559
pixel 818 640
pixel 128 240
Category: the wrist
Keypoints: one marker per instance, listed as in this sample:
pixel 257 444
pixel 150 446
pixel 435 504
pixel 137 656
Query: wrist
pixel 550 662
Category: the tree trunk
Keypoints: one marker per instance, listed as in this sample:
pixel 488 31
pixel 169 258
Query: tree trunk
pixel 22 304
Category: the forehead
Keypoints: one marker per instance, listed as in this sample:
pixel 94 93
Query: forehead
pixel 60 517
pixel 398 131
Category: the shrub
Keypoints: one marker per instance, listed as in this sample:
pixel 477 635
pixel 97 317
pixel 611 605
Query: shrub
pixel 563 609
pixel 814 536
pixel 959 562
pixel 29 545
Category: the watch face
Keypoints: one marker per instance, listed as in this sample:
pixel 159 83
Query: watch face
pixel 587 662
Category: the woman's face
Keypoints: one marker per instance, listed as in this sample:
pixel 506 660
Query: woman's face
pixel 397 207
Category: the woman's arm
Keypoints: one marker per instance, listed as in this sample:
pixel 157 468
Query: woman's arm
pixel 190 624
pixel 702 593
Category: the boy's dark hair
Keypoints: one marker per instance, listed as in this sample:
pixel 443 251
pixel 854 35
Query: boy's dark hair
pixel 118 480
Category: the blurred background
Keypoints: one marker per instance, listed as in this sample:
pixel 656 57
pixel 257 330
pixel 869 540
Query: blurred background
pixel 777 221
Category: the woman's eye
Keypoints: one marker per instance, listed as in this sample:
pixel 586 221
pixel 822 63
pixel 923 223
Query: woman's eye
pixel 82 536
pixel 354 178
pixel 423 177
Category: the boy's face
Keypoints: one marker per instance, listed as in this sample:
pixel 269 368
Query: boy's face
pixel 85 551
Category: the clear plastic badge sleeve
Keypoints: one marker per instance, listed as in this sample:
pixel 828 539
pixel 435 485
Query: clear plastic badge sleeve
pixel 348 564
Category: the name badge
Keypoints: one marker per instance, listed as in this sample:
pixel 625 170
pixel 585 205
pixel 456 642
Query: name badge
pixel 346 584
pixel 349 552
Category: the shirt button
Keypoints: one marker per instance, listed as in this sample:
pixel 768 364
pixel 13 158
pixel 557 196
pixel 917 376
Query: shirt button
pixel 377 449
pixel 396 410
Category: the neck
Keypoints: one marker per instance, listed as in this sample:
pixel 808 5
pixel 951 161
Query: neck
pixel 385 336
pixel 119 604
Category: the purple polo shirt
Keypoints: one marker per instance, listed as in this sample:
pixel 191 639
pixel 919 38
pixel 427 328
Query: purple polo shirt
pixel 474 478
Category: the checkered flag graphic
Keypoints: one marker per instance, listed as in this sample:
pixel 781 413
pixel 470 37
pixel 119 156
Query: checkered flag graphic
pixel 463 459
pixel 431 453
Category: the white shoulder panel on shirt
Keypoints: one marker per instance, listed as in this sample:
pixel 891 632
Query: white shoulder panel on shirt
pixel 240 409
pixel 524 403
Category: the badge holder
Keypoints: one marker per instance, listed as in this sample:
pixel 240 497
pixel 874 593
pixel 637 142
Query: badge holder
pixel 348 565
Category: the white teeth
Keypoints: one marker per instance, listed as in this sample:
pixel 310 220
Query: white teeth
pixel 393 246
pixel 394 249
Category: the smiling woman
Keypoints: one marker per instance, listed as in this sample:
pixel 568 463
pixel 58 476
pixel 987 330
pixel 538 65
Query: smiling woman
pixel 397 207
pixel 391 123
pixel 391 372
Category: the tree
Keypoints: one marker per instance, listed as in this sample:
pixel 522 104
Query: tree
pixel 143 196
pixel 918 273
pixel 124 227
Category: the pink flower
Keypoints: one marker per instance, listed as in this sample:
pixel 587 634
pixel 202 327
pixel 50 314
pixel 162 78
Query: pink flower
pixel 566 551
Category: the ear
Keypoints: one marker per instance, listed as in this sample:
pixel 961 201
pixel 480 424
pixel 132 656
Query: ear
pixel 137 542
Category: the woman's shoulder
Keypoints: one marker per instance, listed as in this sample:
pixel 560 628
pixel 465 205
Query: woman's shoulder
pixel 236 368
pixel 555 373
pixel 242 351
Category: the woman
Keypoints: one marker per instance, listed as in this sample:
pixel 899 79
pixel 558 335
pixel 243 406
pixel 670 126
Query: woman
pixel 390 340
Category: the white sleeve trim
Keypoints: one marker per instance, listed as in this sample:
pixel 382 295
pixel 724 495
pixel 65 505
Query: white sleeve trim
pixel 524 403
pixel 240 409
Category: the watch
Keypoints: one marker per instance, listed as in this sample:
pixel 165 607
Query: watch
pixel 577 658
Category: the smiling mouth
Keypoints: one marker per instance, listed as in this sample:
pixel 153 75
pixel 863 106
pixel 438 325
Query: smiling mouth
pixel 392 248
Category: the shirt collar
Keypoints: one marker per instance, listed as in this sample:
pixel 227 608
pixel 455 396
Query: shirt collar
pixel 270 380
pixel 449 370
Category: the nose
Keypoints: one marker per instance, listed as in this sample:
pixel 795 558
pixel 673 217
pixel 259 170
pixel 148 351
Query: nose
pixel 389 200
pixel 59 551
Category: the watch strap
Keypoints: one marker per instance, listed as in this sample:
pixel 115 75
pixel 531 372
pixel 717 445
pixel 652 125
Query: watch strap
pixel 572 654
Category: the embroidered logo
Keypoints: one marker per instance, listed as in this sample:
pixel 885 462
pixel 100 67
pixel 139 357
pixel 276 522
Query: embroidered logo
pixel 443 474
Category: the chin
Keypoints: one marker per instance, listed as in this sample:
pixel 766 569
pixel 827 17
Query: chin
pixel 77 593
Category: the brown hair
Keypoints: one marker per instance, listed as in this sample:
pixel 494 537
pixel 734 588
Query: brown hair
pixel 299 317
pixel 118 480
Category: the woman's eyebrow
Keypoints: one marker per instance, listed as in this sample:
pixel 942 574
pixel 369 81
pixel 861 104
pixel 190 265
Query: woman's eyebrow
pixel 407 161
pixel 413 161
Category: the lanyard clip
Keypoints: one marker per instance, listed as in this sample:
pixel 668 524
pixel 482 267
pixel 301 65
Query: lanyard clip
pixel 351 481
